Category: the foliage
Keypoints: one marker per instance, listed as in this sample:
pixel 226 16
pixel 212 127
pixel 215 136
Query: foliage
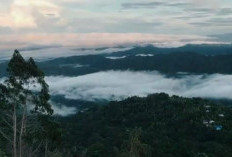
pixel 25 90
pixel 157 125
pixel 2 154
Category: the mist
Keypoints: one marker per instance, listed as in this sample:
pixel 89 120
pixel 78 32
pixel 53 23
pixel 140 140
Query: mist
pixel 62 110
pixel 47 53
pixel 118 85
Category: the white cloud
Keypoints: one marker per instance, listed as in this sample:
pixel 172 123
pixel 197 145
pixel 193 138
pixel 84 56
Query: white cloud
pixel 52 21
pixel 62 110
pixel 56 52
pixel 22 13
pixel 121 84
pixel 48 46
pixel 118 85
pixel 10 42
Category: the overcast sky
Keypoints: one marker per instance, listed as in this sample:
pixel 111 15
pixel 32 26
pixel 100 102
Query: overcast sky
pixel 81 23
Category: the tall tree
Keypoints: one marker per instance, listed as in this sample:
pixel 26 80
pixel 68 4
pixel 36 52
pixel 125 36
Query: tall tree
pixel 23 93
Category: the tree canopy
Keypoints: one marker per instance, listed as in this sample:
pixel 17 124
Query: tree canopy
pixel 24 108
pixel 157 125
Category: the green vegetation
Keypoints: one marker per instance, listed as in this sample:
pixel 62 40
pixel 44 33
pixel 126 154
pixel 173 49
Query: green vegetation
pixel 157 125
pixel 170 63
pixel 26 125
pixel 2 154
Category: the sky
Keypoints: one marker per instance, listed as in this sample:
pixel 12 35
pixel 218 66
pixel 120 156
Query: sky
pixel 98 23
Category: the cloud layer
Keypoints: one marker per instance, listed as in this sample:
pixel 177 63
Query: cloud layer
pixel 44 54
pixel 44 22
pixel 117 85
pixel 61 45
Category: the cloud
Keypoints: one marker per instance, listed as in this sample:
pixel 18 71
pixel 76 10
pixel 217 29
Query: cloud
pixel 149 4
pixel 221 23
pixel 225 11
pixel 44 46
pixel 22 13
pixel 62 110
pixel 47 18
pixel 117 85
pixel 154 4
pixel 43 53
pixel 96 39
pixel 186 16
pixel 142 5
pixel 223 37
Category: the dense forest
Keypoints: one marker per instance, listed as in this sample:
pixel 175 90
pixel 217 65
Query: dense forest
pixel 157 125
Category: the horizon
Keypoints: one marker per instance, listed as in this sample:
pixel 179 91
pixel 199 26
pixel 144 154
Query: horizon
pixel 45 53
pixel 81 23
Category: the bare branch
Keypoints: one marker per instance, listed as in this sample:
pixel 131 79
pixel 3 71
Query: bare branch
pixel 5 136
pixel 37 148
pixel 6 114
pixel 10 125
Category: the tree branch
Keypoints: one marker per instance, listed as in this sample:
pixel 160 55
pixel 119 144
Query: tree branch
pixel 37 148
pixel 5 136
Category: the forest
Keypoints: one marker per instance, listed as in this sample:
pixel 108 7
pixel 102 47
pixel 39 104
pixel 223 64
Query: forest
pixel 157 125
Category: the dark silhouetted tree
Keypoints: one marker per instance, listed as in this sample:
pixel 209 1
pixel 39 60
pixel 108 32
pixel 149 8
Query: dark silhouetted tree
pixel 24 100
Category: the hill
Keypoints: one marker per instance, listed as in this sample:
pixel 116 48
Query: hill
pixel 190 58
pixel 157 125
pixel 166 63
pixel 204 49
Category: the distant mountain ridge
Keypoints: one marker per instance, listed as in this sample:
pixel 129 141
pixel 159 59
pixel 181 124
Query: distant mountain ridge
pixel 204 49
pixel 171 63
pixel 190 58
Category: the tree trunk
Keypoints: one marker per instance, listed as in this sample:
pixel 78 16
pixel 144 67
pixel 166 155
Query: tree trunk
pixel 46 148
pixel 22 132
pixel 15 132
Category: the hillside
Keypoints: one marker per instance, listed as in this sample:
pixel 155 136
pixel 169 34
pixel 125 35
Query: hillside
pixel 190 58
pixel 204 49
pixel 166 63
pixel 157 125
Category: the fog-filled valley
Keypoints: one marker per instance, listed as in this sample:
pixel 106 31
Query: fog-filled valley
pixel 118 73
pixel 182 95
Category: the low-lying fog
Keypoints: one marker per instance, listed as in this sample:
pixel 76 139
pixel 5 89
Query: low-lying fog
pixel 43 54
pixel 117 85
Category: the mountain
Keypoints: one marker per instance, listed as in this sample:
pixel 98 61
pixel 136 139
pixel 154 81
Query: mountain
pixel 166 63
pixel 190 58
pixel 204 49
pixel 157 125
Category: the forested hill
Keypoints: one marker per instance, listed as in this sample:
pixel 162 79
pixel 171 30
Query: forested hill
pixel 157 125
pixel 190 58
pixel 165 63
pixel 204 49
